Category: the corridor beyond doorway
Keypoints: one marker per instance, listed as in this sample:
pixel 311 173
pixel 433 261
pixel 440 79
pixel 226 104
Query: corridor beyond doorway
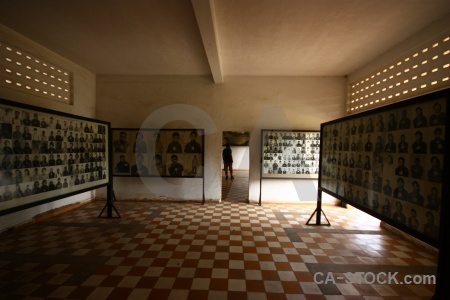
pixel 236 189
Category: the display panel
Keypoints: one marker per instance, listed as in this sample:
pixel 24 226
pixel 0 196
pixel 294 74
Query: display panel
pixel 47 155
pixel 236 138
pixel 389 162
pixel 158 152
pixel 290 154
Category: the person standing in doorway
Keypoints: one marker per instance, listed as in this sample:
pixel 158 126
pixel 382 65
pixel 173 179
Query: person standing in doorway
pixel 227 160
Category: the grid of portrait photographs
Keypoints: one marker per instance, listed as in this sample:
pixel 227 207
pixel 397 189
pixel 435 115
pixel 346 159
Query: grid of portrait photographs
pixel 158 152
pixel 290 154
pixel 389 162
pixel 46 154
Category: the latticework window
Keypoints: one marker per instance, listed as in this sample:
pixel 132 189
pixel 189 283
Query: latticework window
pixel 24 72
pixel 418 72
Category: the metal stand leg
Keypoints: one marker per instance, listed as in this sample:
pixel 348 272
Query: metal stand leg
pixel 110 206
pixel 318 223
pixel 318 211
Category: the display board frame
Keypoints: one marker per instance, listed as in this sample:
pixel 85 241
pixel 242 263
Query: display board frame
pixel 188 149
pixel 294 153
pixel 48 155
pixel 400 178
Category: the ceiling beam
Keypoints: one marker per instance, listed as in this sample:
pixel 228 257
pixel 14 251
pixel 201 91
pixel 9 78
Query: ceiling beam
pixel 206 20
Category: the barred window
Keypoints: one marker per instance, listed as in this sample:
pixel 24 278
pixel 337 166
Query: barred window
pixel 419 72
pixel 24 72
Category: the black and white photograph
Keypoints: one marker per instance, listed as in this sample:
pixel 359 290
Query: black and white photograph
pixel 158 152
pixel 290 154
pixel 46 155
pixel 394 166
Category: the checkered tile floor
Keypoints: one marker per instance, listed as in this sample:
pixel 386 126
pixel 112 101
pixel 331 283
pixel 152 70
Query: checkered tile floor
pixel 231 250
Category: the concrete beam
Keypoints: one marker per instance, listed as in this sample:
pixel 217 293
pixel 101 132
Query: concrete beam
pixel 206 19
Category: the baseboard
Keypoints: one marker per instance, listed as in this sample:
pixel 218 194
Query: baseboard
pixel 166 200
pixel 47 215
pixel 57 211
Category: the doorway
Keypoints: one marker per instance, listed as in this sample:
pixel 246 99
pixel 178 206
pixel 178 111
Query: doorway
pixel 237 189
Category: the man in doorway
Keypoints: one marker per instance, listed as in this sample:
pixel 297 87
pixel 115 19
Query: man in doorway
pixel 227 160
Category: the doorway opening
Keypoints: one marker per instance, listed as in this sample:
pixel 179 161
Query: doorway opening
pixel 236 189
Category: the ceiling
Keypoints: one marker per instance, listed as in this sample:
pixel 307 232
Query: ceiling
pixel 221 37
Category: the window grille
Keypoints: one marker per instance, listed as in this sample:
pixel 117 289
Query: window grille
pixel 421 71
pixel 24 72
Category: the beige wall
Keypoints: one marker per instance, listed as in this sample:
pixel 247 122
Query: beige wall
pixel 83 105
pixel 241 104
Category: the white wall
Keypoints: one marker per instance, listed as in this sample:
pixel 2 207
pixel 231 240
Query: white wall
pixel 241 157
pixel 83 105
pixel 239 104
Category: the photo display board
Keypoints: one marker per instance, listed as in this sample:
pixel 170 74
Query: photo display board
pixel 158 152
pixel 389 163
pixel 235 138
pixel 48 155
pixel 290 154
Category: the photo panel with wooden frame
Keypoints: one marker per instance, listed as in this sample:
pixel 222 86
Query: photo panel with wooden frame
pixel 389 162
pixel 290 154
pixel 235 138
pixel 158 152
pixel 48 155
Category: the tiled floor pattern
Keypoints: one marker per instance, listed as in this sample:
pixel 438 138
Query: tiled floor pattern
pixel 236 189
pixel 230 250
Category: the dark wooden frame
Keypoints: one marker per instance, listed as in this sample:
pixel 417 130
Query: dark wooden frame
pixel 95 151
